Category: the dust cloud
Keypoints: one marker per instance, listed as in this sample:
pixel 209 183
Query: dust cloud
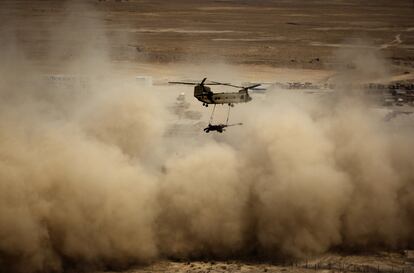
pixel 86 179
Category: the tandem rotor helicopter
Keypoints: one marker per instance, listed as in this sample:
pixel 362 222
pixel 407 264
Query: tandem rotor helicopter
pixel 204 94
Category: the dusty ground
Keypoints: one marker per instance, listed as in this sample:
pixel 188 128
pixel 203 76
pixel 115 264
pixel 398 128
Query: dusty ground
pixel 266 40
pixel 378 262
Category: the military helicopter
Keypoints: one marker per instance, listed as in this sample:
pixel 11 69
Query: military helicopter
pixel 204 94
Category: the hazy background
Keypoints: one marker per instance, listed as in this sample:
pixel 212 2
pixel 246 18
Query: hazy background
pixel 88 179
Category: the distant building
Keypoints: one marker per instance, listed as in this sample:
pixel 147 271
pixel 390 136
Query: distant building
pixel 409 254
pixel 67 81
pixel 144 80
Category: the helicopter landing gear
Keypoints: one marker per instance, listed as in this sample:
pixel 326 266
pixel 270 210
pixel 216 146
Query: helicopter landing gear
pixel 231 104
pixel 205 104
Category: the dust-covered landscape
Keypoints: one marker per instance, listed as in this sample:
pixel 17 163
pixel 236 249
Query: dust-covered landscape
pixel 105 166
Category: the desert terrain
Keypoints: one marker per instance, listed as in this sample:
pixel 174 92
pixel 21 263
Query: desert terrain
pixel 102 172
pixel 284 34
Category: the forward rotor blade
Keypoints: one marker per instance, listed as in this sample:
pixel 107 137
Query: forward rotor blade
pixel 220 83
pixel 253 86
pixel 194 83
pixel 202 82
pixel 237 86
pixel 213 83
pixel 227 84
pixel 188 83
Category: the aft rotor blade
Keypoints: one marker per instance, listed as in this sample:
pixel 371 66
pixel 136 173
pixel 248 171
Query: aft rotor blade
pixel 202 82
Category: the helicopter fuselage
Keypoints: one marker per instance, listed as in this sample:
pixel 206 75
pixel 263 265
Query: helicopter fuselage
pixel 204 94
